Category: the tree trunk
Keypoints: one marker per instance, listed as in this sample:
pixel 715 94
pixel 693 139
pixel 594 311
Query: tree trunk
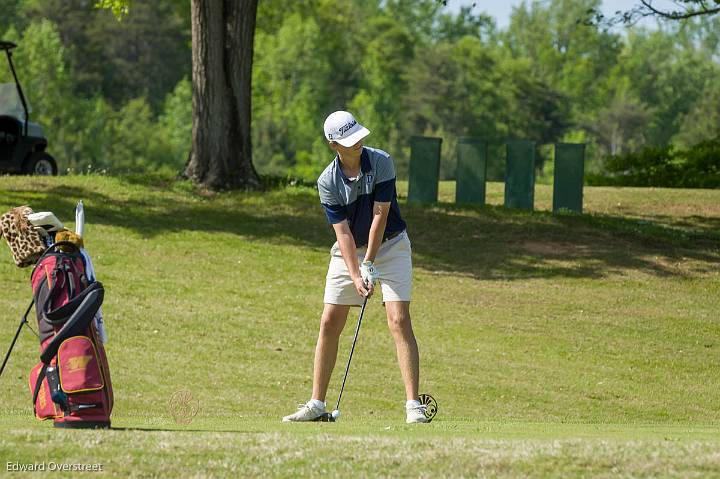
pixel 222 52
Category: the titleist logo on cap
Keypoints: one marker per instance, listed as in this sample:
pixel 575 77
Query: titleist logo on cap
pixel 342 130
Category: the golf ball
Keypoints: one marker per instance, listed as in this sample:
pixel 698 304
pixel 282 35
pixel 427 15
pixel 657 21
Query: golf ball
pixel 335 414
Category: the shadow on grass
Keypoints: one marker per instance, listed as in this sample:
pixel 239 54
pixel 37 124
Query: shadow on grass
pixel 710 225
pixel 493 242
pixel 486 243
pixel 150 217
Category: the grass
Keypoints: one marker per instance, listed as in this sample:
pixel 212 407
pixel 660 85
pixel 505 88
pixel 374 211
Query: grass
pixel 555 345
pixel 261 448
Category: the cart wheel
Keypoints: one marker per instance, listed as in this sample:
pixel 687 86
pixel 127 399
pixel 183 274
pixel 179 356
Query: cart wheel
pixel 40 164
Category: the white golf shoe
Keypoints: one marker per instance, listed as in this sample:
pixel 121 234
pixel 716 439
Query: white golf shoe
pixel 415 412
pixel 309 411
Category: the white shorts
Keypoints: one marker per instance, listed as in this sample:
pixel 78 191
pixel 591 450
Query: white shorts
pixel 394 265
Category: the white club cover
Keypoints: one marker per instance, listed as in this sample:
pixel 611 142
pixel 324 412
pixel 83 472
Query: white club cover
pixel 45 220
pixel 80 219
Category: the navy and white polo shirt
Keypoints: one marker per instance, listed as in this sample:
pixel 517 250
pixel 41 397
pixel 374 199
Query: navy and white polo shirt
pixel 352 199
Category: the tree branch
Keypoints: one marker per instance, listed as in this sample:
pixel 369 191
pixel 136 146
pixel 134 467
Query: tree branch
pixel 678 15
pixel 645 8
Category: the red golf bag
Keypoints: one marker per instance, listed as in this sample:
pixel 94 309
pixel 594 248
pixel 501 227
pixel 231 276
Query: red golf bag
pixel 71 383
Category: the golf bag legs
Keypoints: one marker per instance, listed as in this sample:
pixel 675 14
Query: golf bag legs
pixel 12 345
pixel 17 333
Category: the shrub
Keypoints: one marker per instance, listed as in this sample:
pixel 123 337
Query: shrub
pixel 696 167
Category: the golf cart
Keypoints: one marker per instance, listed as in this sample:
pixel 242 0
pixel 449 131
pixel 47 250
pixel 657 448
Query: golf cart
pixel 22 143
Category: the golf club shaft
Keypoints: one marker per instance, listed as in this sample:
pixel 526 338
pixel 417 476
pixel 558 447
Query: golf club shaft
pixel 17 333
pixel 352 349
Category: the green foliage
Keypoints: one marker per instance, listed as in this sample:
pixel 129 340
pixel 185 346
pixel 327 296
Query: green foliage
pixel 89 134
pixel 384 81
pixel 696 167
pixel 136 144
pixel 145 54
pixel 12 15
pixel 120 8
pixel 404 67
pixel 702 119
pixel 702 165
pixel 572 58
pixel 175 122
pixel 286 106
pixel 665 77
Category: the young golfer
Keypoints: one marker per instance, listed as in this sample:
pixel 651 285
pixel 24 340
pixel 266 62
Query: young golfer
pixel 357 191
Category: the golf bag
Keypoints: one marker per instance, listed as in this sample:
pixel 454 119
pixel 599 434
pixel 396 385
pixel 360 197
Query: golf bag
pixel 71 383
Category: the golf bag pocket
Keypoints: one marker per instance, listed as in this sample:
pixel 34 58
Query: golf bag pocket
pixel 44 406
pixel 78 366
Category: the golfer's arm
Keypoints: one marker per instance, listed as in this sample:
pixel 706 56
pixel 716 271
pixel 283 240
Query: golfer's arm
pixel 377 228
pixel 348 249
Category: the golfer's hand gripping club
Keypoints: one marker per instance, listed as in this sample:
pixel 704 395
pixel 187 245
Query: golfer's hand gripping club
pixel 368 272
pixel 369 275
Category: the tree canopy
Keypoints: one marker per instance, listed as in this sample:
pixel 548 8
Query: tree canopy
pixel 116 95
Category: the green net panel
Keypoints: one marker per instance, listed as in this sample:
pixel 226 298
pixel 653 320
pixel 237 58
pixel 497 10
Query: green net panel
pixel 471 171
pixel 520 175
pixel 424 169
pixel 569 173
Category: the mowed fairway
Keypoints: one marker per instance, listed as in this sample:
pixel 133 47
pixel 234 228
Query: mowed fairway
pixel 556 346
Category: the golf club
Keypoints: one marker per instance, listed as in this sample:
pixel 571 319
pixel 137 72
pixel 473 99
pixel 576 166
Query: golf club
pixel 332 417
pixel 17 333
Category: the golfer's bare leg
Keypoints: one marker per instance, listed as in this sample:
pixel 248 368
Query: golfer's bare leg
pixel 398 317
pixel 331 325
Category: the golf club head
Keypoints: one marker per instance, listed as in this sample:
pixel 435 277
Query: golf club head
pixel 325 417
pixel 431 406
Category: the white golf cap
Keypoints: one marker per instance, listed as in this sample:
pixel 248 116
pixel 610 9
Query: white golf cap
pixel 342 127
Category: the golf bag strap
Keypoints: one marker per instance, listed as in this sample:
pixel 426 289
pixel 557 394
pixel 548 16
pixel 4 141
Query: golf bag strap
pixel 49 252
pixel 38 384
pixel 46 295
pixel 76 324
pixel 60 315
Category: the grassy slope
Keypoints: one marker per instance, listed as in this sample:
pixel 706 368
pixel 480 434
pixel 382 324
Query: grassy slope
pixel 555 344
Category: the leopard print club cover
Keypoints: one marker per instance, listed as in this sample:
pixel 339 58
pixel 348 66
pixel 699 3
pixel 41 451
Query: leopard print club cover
pixel 23 239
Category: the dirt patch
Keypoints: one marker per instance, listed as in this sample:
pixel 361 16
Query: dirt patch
pixel 553 248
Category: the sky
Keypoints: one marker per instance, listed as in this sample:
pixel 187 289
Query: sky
pixel 501 9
